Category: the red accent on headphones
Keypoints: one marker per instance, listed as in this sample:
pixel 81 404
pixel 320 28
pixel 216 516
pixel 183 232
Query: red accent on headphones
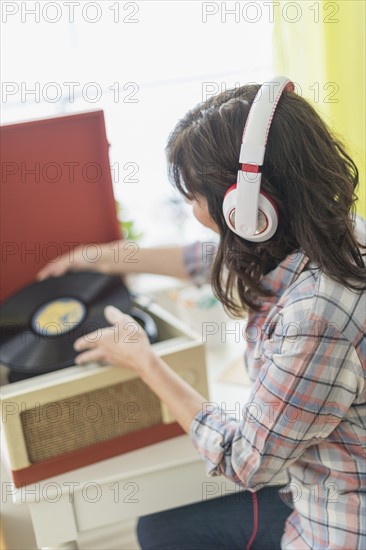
pixel 254 168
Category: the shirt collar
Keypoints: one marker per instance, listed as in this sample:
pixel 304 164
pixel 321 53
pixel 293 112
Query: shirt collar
pixel 286 273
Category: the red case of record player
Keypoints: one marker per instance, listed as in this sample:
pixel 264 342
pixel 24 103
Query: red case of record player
pixel 56 192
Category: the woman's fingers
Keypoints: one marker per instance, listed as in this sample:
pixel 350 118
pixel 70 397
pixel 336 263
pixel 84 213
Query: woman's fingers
pixel 90 356
pixel 73 260
pixel 88 341
pixel 54 269
pixel 112 345
pixel 115 315
pixel 123 325
pixel 48 271
pixel 91 346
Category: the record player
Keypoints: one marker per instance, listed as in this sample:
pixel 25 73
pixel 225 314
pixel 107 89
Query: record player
pixel 64 416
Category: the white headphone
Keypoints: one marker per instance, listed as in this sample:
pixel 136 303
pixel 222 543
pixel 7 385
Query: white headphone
pixel 248 211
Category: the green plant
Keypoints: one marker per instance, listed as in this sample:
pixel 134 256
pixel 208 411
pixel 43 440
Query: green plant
pixel 128 227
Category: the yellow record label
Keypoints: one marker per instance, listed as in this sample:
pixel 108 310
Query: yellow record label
pixel 58 317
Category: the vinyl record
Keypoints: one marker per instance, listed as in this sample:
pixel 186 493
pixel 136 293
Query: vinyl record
pixel 40 323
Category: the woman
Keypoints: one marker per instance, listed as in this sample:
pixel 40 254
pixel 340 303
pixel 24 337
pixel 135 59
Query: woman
pixel 303 289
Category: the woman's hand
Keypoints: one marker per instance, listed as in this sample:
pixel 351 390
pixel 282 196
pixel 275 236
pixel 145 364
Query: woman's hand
pixel 124 344
pixel 74 260
pixel 104 258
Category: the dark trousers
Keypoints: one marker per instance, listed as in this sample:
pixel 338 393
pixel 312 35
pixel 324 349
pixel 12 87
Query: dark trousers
pixel 224 523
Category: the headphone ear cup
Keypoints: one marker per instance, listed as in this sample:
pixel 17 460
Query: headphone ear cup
pixel 228 207
pixel 267 219
pixel 267 215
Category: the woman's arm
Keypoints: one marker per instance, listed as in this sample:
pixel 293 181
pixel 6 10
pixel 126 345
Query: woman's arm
pixel 119 257
pixel 183 401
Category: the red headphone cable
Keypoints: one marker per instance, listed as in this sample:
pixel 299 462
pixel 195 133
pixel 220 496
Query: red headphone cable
pixel 255 520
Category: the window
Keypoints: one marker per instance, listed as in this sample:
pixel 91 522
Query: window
pixel 145 64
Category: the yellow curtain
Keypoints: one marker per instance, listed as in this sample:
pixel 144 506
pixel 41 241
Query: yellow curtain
pixel 321 46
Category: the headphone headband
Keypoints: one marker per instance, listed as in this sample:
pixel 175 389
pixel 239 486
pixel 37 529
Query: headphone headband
pixel 259 120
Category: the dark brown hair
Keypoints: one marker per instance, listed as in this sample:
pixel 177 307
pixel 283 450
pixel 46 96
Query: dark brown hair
pixel 306 172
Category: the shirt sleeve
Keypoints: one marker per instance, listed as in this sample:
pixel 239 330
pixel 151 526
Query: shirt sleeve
pixel 198 258
pixel 308 380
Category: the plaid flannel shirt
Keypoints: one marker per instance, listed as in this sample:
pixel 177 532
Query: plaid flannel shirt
pixel 305 354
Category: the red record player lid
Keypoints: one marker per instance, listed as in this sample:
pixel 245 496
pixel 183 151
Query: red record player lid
pixel 56 193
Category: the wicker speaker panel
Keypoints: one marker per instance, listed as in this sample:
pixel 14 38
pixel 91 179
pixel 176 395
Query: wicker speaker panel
pixel 63 426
